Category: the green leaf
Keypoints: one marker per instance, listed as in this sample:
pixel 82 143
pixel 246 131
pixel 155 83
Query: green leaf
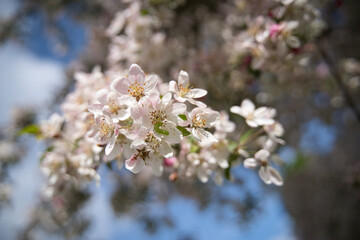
pixel 232 146
pixel 159 130
pixel 183 117
pixel 183 131
pixel 30 129
pixel 245 136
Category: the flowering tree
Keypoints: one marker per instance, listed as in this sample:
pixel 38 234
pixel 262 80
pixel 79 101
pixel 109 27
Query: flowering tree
pixel 223 55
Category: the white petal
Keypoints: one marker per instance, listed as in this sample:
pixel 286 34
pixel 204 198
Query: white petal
pixel 166 150
pixel 136 74
pixel 101 96
pixel 166 98
pixel 150 84
pixel 223 163
pixel 250 163
pixel 121 85
pixel 247 106
pixel 262 155
pixel 183 78
pixel 96 109
pixel 134 164
pixel 264 175
pixel 157 167
pixel 198 92
pixel 275 176
pixel 178 108
pixel 174 133
pixel 252 123
pixel 173 87
pixel 197 103
pixel 110 146
pixel 237 110
pixel 179 99
pixel 114 153
pixel 206 136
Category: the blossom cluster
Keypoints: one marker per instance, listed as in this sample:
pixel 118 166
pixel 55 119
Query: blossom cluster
pixel 143 123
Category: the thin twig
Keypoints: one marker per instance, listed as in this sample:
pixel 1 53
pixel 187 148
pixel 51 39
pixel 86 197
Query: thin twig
pixel 337 77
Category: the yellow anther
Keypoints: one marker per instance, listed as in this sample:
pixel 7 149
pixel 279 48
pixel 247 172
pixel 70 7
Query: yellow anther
pixel 198 122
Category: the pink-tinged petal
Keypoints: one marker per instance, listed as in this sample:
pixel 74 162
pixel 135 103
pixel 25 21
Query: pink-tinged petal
pixel 121 85
pixel 197 92
pixel 197 103
pixel 250 163
pixel 110 146
pixel 156 166
pixel 247 107
pixel 101 96
pixel 264 175
pixel 136 74
pixel 150 84
pixel 107 114
pixel 173 87
pixel 114 153
pixel 128 152
pixel 134 164
pixel 166 98
pixel 178 108
pixel 262 155
pixel 206 136
pixel 138 112
pixel 275 176
pixel 179 99
pixel 183 79
pixel 165 149
pixel 96 109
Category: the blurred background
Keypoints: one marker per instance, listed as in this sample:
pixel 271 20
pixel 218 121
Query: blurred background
pixel 42 44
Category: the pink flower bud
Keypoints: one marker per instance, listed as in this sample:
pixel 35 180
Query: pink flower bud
pixel 169 162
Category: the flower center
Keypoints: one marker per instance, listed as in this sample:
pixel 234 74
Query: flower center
pixel 152 141
pixel 198 122
pixel 105 129
pixel 184 90
pixel 136 90
pixel 158 116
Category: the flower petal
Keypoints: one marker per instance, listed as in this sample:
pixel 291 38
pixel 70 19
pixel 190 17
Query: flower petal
pixel 275 176
pixel 250 163
pixel 121 85
pixel 183 78
pixel 264 175
pixel 197 92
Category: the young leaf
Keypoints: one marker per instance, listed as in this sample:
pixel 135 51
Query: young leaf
pixel 183 131
pixel 159 130
pixel 30 129
pixel 183 117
